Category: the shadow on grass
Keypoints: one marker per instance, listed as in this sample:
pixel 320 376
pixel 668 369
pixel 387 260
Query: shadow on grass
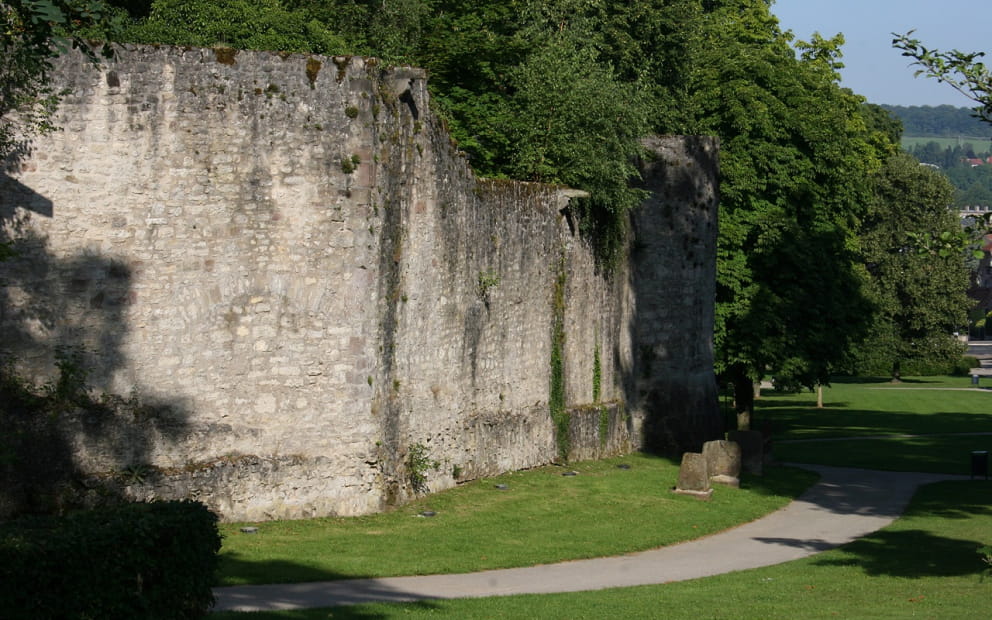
pixel 338 613
pixel 909 553
pixel 933 453
pixel 312 588
pixel 779 481
pixel 274 571
pixel 800 420
pixel 864 380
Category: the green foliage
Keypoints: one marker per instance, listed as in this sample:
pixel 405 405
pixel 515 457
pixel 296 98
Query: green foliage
pixel 133 561
pixel 487 280
pixel 418 465
pixel 796 155
pixel 985 553
pixel 556 391
pixel 32 34
pixel 939 121
pixel 912 250
pixel 604 426
pixel 241 24
pixel 963 71
pixel 597 374
pixel 350 164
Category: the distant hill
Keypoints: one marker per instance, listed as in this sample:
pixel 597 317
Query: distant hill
pixel 943 121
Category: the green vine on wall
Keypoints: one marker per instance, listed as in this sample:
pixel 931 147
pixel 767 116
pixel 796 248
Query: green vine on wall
pixel 556 397
pixel 597 373
pixel 604 425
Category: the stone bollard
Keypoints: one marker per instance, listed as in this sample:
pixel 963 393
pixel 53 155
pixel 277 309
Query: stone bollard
pixel 723 462
pixel 694 477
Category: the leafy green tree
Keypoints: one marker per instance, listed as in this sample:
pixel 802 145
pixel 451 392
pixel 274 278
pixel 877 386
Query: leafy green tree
pixel 573 121
pixel 795 160
pixel 918 276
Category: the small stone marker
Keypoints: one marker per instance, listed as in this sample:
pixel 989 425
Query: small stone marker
pixel 502 487
pixel 623 466
pixel 427 513
pixel 249 530
pixel 694 478
pixel 570 473
pixel 723 462
pixel 752 445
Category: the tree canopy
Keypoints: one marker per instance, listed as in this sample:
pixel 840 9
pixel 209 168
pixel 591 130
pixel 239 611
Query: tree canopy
pixel 919 290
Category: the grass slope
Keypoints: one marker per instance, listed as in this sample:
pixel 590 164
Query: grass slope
pixel 542 517
pixel 924 565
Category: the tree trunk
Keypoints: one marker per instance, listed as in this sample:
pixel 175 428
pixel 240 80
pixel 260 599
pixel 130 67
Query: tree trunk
pixel 743 400
pixel 896 373
pixel 757 390
pixel 819 396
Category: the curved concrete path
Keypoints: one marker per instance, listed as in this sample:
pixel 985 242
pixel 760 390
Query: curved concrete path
pixel 844 505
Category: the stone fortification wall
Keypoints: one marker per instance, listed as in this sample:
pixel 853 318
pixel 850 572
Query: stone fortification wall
pixel 298 276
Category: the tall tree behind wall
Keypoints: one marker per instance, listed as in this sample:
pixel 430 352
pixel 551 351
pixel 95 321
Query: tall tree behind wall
pixel 795 162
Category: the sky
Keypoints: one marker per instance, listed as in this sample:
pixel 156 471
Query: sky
pixel 873 68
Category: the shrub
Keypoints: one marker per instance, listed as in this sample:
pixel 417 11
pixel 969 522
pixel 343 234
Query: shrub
pixel 138 560
pixel 964 365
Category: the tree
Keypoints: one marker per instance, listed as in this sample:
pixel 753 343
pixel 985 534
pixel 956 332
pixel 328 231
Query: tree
pixel 962 70
pixel 795 160
pixel 918 276
pixel 241 24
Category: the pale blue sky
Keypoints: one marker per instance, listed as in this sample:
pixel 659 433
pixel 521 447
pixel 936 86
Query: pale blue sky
pixel 873 67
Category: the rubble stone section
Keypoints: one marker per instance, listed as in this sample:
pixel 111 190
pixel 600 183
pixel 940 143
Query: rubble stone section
pixel 288 257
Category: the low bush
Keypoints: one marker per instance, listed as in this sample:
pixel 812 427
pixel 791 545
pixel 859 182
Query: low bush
pixel 154 560
pixel 963 366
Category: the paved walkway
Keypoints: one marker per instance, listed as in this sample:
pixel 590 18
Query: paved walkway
pixel 844 505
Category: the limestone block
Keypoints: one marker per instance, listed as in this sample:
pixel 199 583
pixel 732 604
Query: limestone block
pixel 723 461
pixel 693 475
pixel 752 450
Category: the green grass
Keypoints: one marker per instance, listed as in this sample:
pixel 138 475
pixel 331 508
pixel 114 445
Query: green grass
pixel 862 408
pixel 543 517
pixel 924 565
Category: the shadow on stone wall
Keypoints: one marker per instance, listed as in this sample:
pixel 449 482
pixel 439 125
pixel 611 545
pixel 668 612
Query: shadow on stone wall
pixel 673 273
pixel 62 324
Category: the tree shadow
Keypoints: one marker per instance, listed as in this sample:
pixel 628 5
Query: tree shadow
pixel 911 554
pixel 69 441
pixel 307 586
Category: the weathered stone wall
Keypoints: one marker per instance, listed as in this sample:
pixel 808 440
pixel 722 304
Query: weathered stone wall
pixel 288 258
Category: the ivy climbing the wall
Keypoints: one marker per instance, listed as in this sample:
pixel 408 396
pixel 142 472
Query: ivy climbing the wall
pixel 556 397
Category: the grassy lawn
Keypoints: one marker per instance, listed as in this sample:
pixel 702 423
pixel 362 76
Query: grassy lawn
pixel 924 565
pixel 863 407
pixel 542 517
